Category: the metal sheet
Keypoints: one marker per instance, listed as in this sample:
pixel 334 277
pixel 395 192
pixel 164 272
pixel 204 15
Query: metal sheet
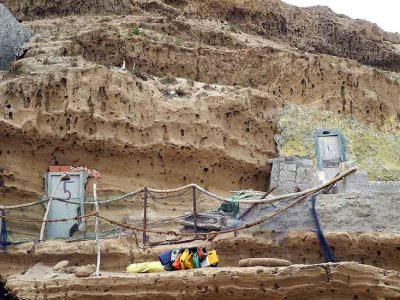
pixel 72 190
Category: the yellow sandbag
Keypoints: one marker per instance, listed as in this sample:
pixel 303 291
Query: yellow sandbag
pixel 184 255
pixel 212 258
pixel 189 261
pixel 145 267
pixel 211 261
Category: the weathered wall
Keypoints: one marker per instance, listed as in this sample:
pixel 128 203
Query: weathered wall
pixel 315 29
pixel 374 151
pixel 288 173
pixel 357 212
pixel 348 212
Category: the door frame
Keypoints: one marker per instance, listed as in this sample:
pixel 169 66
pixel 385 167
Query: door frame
pixel 81 193
pixel 329 132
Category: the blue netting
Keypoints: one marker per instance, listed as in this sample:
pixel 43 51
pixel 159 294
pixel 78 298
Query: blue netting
pixel 3 231
pixel 324 245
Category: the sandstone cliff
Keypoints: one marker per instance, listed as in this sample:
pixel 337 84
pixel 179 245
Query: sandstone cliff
pixel 198 101
pixel 66 103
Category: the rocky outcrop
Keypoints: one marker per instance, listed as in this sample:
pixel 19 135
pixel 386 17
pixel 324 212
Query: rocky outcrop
pixel 299 247
pixel 330 281
pixel 12 36
pixel 215 126
pixel 315 29
pixel 197 102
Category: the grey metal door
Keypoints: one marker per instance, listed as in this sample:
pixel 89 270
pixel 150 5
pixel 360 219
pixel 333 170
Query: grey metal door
pixel 71 190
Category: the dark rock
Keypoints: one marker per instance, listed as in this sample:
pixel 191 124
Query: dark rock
pixel 12 36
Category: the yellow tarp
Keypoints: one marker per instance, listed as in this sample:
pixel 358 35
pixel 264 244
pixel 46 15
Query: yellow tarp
pixel 145 267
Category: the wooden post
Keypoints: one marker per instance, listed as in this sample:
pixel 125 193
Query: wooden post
pixel 96 230
pixel 194 208
pixel 145 196
pixel 46 214
pixel 64 177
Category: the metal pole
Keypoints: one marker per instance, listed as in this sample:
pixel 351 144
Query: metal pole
pixel 194 208
pixel 96 229
pixel 145 196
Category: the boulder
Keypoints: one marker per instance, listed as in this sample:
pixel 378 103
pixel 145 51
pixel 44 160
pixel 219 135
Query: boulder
pixel 85 271
pixel 264 262
pixel 12 36
pixel 61 265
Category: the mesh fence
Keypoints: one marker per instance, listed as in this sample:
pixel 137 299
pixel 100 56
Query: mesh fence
pixel 18 227
pixel 156 215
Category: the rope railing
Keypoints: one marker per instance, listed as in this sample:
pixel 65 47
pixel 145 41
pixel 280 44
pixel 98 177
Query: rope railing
pixel 268 199
pixel 147 227
pixel 292 196
pixel 29 220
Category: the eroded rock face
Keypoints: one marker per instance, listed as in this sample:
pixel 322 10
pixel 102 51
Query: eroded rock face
pixel 315 29
pixel 215 126
pixel 330 281
pixel 239 63
pixel 12 36
pixel 299 247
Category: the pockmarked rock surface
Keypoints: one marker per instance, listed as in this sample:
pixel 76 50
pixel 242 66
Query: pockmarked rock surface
pixel 342 280
pixel 198 101
pixel 316 29
pixel 196 107
pixel 12 36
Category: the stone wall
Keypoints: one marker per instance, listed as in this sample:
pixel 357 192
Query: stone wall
pixel 359 212
pixel 289 173
pixel 349 212
pixel 376 152
pixel 358 182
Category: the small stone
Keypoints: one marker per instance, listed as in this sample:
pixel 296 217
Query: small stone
pixel 85 271
pixel 61 265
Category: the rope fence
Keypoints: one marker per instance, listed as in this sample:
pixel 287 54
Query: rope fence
pixel 186 187
pixel 152 212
